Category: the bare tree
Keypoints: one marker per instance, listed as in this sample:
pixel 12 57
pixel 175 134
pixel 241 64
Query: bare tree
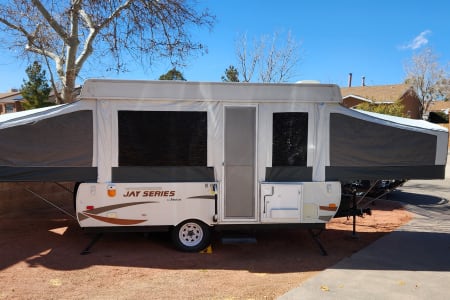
pixel 67 33
pixel 429 79
pixel 272 60
pixel 248 58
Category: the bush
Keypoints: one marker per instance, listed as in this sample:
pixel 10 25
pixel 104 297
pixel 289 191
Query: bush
pixel 438 117
pixel 394 109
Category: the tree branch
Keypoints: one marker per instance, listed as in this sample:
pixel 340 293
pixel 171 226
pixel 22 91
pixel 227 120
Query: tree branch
pixel 87 48
pixel 94 30
pixel 31 46
pixel 59 100
pixel 114 15
pixel 45 53
pixel 15 27
pixel 53 23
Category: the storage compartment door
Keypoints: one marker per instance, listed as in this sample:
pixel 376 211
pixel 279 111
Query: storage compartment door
pixel 281 203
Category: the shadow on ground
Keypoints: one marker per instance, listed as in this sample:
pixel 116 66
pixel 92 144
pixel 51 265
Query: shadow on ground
pixel 54 241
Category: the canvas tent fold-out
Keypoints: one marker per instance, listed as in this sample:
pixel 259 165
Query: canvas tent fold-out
pixel 302 133
pixel 49 144
pixel 373 146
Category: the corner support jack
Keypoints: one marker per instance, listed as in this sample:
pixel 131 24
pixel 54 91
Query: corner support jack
pixel 315 236
pixel 94 240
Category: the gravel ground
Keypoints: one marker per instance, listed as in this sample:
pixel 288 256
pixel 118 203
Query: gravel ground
pixel 40 259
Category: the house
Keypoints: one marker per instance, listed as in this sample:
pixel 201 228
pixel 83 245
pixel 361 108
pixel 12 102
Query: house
pixel 383 94
pixel 439 106
pixel 10 101
pixel 438 112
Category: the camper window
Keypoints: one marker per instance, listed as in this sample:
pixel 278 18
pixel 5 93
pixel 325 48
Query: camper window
pixel 162 138
pixel 290 139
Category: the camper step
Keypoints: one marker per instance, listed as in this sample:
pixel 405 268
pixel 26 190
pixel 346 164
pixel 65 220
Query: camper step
pixel 238 239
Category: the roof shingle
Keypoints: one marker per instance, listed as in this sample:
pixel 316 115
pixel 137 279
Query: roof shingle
pixel 377 93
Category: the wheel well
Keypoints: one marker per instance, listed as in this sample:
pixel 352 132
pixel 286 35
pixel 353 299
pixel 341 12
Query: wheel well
pixel 193 220
pixel 74 196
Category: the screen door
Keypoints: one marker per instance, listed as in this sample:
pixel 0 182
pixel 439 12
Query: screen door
pixel 239 162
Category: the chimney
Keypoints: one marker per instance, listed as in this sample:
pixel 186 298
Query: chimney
pixel 349 79
pixel 363 81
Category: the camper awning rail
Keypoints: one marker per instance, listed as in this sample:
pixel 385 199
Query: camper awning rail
pixel 210 91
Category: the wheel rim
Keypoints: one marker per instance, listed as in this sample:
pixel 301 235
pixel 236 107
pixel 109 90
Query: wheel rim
pixel 191 234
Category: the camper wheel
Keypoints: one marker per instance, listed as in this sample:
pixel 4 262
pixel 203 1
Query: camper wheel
pixel 191 236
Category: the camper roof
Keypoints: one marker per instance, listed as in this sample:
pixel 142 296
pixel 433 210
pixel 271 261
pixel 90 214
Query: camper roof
pixel 210 91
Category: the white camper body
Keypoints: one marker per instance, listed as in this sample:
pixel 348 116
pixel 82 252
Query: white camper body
pixel 193 155
pixel 169 204
pixel 238 140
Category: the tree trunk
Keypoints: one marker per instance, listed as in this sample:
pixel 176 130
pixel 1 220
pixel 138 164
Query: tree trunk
pixel 69 86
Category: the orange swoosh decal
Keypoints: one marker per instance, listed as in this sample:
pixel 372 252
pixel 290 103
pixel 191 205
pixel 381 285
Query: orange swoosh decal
pixel 328 208
pixel 115 221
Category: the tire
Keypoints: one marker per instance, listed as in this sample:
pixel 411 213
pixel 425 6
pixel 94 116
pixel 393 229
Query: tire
pixel 191 236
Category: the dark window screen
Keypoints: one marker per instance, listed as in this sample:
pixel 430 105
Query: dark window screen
pixel 290 139
pixel 63 140
pixel 162 138
pixel 357 142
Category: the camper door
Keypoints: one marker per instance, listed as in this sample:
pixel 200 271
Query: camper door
pixel 239 164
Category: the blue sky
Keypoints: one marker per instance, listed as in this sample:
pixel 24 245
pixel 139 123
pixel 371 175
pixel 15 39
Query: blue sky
pixel 367 38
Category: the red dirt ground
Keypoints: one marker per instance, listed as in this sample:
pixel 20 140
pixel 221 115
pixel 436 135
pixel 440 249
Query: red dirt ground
pixel 40 259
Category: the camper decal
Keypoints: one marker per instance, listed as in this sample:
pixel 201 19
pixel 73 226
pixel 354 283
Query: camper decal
pixel 111 190
pixel 150 193
pixel 331 207
pixel 115 221
pixel 212 197
pixel 95 214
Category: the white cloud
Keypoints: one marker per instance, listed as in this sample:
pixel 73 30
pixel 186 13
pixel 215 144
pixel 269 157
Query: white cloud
pixel 418 41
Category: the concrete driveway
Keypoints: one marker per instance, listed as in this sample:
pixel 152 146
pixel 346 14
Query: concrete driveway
pixel 412 262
